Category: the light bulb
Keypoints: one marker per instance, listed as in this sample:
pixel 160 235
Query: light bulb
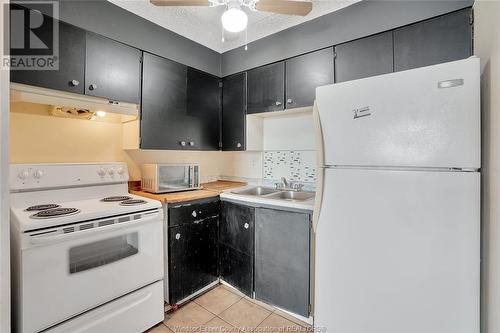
pixel 101 114
pixel 234 20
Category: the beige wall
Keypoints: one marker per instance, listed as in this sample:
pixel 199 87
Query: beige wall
pixel 37 137
pixel 487 47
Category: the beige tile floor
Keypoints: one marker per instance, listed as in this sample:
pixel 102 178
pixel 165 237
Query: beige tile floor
pixel 224 310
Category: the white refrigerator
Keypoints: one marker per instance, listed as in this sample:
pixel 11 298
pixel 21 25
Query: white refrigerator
pixel 397 237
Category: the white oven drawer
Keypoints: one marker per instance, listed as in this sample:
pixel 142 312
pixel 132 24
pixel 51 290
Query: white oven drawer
pixel 133 313
pixel 66 274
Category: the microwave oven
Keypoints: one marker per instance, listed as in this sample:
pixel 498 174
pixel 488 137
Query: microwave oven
pixel 164 178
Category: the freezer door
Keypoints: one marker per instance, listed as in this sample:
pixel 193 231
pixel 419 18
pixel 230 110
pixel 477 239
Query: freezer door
pixel 425 117
pixel 398 251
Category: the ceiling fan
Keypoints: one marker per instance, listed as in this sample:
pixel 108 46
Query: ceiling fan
pixel 234 19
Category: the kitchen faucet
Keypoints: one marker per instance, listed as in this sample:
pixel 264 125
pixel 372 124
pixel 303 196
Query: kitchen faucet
pixel 288 186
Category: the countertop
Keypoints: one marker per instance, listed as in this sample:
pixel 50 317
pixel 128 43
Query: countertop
pixel 208 190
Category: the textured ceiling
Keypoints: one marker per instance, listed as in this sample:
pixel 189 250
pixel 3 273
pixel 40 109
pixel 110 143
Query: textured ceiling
pixel 202 24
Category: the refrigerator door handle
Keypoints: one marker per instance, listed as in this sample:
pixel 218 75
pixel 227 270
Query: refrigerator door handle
pixel 320 160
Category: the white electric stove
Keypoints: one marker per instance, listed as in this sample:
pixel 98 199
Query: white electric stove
pixel 86 255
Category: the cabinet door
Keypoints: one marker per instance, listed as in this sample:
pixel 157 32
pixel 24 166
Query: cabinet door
pixel 203 110
pixel 236 268
pixel 364 57
pixel 70 75
pixel 163 108
pixel 304 74
pixel 266 88
pixel 113 70
pixel 203 249
pixel 442 39
pixel 236 228
pixel 234 103
pixel 282 259
pixel 180 267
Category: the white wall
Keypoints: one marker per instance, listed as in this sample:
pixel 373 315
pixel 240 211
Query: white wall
pixel 487 46
pixel 4 189
pixel 289 132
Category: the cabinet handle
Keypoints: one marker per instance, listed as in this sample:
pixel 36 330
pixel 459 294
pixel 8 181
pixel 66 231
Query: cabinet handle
pixel 191 143
pixel 246 225
pixel 177 236
pixel 289 101
pixel 93 86
pixel 183 143
pixel 74 83
pixel 278 103
pixel 238 145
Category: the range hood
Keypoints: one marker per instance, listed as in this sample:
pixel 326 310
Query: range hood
pixel 56 98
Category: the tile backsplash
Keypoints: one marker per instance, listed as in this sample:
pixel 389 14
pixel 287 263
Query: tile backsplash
pixel 294 165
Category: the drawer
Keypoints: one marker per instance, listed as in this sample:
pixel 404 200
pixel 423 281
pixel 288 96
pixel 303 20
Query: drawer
pixel 188 212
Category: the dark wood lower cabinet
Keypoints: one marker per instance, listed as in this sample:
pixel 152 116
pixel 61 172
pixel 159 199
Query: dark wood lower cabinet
pixel 282 259
pixel 192 251
pixel 178 266
pixel 264 253
pixel 236 268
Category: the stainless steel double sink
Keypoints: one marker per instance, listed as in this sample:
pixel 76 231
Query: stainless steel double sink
pixel 270 193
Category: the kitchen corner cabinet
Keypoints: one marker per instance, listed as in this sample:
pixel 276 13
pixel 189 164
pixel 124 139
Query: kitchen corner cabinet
pixel 234 103
pixel 441 39
pixel 282 259
pixel 112 69
pixel 164 104
pixel 364 57
pixel 192 247
pixel 236 245
pixel 266 88
pixel 70 75
pixel 304 74
pixel 203 110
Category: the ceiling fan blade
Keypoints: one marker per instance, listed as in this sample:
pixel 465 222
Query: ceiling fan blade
pixel 180 2
pixel 288 7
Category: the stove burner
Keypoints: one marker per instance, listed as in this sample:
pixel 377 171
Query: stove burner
pixel 56 212
pixel 132 202
pixel 42 207
pixel 116 198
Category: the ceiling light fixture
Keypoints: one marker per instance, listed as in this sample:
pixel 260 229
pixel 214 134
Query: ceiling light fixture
pixel 234 19
pixel 101 113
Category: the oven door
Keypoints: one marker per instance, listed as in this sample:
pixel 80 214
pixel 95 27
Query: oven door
pixel 64 274
pixel 172 178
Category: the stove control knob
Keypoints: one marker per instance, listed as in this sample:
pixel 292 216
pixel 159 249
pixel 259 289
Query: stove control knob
pixel 23 174
pixel 111 172
pixel 101 172
pixel 120 171
pixel 38 174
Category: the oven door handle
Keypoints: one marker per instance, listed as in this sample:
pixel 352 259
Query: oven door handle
pixel 47 238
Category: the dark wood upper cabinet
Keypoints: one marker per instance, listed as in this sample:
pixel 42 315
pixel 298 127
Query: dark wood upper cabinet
pixel 441 39
pixel 70 75
pixel 364 57
pixel 266 88
pixel 112 70
pixel 304 74
pixel 164 104
pixel 203 110
pixel 234 97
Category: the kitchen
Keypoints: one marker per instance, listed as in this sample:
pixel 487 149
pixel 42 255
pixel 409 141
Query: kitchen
pixel 186 180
